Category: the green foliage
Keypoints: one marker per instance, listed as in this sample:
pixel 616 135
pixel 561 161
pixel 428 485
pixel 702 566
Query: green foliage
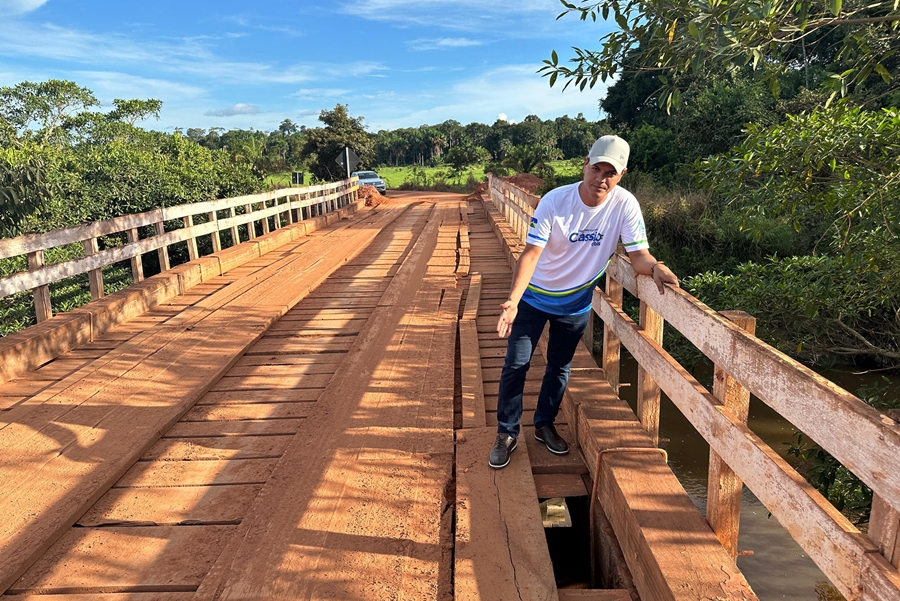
pixel 531 158
pixel 817 307
pixel 48 106
pixel 24 187
pixel 683 41
pixel 145 171
pixel 324 144
pixel 839 165
pixel 462 156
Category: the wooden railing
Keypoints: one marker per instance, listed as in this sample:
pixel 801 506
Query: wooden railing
pixel 269 210
pixel 865 441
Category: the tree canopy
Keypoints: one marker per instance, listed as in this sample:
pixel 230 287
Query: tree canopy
pixel 680 40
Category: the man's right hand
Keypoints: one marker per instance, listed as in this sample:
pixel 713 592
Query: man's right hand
pixel 508 311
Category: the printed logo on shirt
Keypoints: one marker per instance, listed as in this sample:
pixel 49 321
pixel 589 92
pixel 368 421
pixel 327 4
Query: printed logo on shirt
pixel 533 223
pixel 593 236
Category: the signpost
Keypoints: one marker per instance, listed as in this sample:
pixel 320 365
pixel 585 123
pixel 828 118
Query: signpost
pixel 348 160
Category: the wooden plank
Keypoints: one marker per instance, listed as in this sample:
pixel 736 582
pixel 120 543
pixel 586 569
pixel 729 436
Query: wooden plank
pixel 261 427
pixel 648 393
pixel 43 310
pixel 884 530
pixel 673 555
pixel 473 298
pixel 88 558
pixel 545 462
pixel 723 499
pixel 611 346
pixel 822 410
pixel 171 506
pixel 275 381
pixel 472 385
pixel 846 557
pixel 559 485
pixel 197 473
pixel 260 411
pixel 157 596
pixel 498 510
pixel 593 595
pixel 217 448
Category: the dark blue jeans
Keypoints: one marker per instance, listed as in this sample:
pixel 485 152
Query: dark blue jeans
pixel 565 332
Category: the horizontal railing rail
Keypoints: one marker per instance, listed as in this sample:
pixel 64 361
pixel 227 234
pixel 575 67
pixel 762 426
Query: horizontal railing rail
pixel 276 209
pixel 864 440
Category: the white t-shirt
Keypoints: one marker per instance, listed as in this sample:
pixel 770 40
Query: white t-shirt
pixel 578 242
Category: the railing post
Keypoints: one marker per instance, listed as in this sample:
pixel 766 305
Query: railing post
pixel 884 530
pixel 611 346
pixel 163 251
pixel 191 241
pixel 588 336
pixel 884 524
pixel 235 239
pixel 216 240
pixel 723 504
pixel 265 221
pixel 137 263
pixel 251 226
pixel 42 308
pixel 648 392
pixel 94 275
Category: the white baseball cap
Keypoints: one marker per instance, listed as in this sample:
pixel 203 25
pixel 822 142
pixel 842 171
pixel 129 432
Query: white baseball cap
pixel 610 149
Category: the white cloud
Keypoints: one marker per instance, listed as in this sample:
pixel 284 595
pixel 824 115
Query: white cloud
pixel 188 56
pixel 460 15
pixel 315 93
pixel 9 8
pixel 113 84
pixel 502 117
pixel 442 43
pixel 231 111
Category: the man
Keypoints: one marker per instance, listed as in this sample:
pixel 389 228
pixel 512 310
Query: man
pixel 572 236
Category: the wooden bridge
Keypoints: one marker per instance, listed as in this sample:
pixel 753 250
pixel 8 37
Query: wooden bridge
pixel 304 411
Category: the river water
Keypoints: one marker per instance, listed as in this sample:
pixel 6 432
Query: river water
pixel 778 568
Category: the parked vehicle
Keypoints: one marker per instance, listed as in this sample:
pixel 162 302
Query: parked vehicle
pixel 370 178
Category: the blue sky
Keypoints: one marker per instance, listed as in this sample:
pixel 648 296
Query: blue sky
pixel 398 63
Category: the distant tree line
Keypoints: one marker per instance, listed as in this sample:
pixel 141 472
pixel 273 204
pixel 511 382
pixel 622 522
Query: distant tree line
pixel 449 143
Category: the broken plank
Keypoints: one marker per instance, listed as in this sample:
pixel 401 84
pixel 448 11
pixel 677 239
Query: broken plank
pixel 497 510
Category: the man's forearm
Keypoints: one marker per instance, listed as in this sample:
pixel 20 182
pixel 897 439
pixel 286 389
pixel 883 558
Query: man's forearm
pixel 523 271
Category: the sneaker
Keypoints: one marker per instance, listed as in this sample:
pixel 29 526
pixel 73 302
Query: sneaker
pixel 503 448
pixel 555 443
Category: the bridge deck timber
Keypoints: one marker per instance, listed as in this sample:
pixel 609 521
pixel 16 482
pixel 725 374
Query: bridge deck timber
pixel 314 424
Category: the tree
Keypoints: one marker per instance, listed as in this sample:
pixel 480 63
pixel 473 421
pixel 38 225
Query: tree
pixel 324 144
pixel 288 128
pixel 132 111
pixel 24 188
pixel 840 165
pixel 682 40
pixel 463 156
pixel 48 105
pixel 531 158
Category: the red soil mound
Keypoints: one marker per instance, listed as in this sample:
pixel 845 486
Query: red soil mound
pixel 526 181
pixel 373 197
